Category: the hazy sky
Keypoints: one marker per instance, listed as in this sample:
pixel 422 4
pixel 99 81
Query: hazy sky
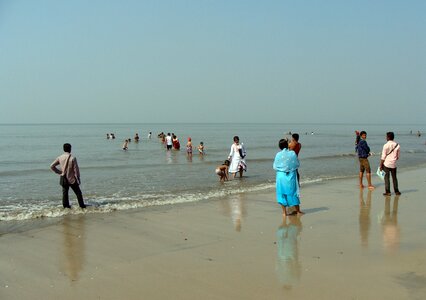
pixel 212 61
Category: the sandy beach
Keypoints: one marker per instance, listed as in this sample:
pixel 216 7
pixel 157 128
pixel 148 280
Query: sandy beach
pixel 350 244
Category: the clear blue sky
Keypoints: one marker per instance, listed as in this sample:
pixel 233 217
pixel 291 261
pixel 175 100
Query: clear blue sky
pixel 212 61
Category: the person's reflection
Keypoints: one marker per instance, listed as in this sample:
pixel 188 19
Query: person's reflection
pixel 390 228
pixel 73 245
pixel 169 158
pixel 234 206
pixel 364 217
pixel 288 266
pixel 237 211
pixel 201 157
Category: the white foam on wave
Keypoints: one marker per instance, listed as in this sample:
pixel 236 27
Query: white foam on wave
pixel 118 202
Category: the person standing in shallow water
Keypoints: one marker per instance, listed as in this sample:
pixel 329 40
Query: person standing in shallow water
pixel 70 169
pixel 236 157
pixel 189 148
pixel 287 187
pixel 363 151
pixel 169 142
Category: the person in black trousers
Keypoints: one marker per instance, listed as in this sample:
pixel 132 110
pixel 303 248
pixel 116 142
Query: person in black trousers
pixel 71 176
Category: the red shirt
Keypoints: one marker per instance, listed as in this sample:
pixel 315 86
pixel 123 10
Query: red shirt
pixel 296 147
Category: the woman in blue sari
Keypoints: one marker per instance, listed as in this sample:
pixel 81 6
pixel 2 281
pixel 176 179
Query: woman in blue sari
pixel 286 164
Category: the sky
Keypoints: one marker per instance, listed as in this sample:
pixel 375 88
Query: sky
pixel 101 61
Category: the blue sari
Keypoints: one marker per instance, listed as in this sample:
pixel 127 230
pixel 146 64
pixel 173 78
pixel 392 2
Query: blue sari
pixel 286 164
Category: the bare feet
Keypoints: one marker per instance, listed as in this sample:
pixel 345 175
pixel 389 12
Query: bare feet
pixel 361 186
pixel 284 211
pixel 300 213
pixel 371 187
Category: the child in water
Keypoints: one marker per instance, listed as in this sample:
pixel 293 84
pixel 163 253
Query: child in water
pixel 201 148
pixel 222 171
pixel 125 145
pixel 189 147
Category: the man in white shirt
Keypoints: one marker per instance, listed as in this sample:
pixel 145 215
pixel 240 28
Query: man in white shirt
pixel 390 155
pixel 69 169
pixel 169 141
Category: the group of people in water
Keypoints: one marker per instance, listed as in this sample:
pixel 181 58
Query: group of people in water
pixel 286 165
pixel 172 142
pixel 169 140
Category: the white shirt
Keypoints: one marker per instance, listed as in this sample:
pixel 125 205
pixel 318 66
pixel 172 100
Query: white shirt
pixel 391 156
pixel 169 140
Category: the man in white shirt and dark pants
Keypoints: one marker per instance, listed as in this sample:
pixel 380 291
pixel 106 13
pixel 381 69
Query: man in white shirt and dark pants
pixel 390 155
pixel 69 169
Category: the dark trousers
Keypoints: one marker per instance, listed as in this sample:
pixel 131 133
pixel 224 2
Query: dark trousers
pixel 76 188
pixel 387 180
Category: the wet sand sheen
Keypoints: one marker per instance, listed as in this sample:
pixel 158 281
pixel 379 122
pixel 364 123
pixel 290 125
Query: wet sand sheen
pixel 351 244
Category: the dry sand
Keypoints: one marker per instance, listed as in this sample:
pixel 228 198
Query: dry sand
pixel 349 245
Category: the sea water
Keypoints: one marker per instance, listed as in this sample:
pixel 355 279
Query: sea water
pixel 149 175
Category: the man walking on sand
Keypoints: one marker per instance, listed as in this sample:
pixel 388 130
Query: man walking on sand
pixel 363 151
pixel 390 154
pixel 69 169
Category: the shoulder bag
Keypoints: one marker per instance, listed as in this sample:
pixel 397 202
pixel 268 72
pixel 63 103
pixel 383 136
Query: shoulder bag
pixel 381 173
pixel 63 181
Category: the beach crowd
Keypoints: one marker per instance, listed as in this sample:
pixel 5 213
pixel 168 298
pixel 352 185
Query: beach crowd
pixel 286 165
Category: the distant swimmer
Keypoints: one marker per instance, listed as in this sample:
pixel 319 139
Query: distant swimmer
pixel 169 141
pixel 149 135
pixel 126 145
pixel 201 148
pixel 175 142
pixel 189 148
pixel 136 138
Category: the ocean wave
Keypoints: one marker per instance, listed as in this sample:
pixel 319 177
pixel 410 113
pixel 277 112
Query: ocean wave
pixel 113 203
pixel 331 156
pixel 414 151
pixel 25 172
pixel 117 203
pixel 354 155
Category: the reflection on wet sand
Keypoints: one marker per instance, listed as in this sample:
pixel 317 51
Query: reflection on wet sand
pixel 364 217
pixel 390 229
pixel 234 207
pixel 73 250
pixel 288 266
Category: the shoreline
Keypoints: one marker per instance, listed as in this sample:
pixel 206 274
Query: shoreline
pixel 236 246
pixel 22 225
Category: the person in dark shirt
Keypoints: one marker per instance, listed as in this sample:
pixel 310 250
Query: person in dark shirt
pixel 363 151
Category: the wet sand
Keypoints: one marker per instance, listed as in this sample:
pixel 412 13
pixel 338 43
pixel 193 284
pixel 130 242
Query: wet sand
pixel 350 244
